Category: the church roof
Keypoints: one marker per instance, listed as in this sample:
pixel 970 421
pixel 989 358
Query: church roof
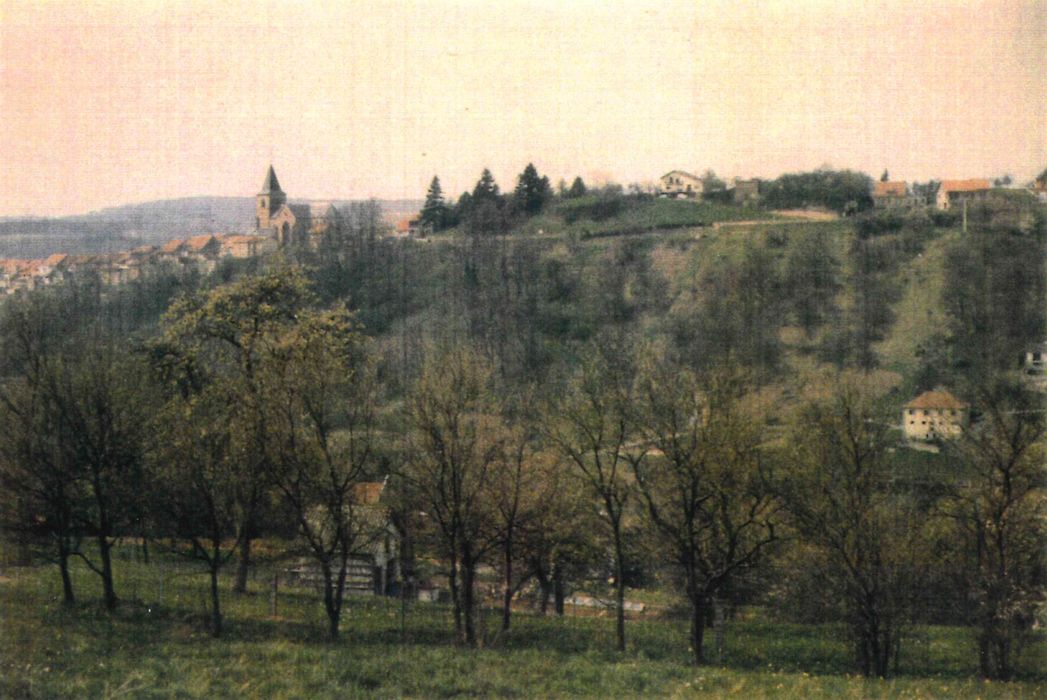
pixel 271 184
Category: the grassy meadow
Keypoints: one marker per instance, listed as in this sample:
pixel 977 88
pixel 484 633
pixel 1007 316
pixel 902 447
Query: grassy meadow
pixel 156 645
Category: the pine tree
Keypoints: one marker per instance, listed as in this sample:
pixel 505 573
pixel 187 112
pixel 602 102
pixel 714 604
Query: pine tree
pixel 531 191
pixel 486 190
pixel 578 188
pixel 434 211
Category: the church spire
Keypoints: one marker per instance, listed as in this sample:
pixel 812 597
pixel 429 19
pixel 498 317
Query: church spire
pixel 271 184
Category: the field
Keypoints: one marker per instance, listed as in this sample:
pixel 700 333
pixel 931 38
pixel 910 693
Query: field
pixel 156 645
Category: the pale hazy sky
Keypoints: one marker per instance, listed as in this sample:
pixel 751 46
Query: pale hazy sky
pixel 105 103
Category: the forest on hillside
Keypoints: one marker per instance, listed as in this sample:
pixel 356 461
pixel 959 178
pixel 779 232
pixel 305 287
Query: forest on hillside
pixel 606 393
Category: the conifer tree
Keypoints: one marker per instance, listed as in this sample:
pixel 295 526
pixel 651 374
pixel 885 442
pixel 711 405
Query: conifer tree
pixel 578 188
pixel 434 211
pixel 531 192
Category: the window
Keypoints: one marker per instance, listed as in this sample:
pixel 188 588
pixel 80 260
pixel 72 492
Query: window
pixel 912 411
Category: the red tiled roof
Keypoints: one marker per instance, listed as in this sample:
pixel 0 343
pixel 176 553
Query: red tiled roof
pixel 367 493
pixel 55 259
pixel 172 246
pixel 890 189
pixel 939 398
pixel 199 242
pixel 964 185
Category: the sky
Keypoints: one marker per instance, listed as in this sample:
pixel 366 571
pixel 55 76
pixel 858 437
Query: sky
pixel 113 102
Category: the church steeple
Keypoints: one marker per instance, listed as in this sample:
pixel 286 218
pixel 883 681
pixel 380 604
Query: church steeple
pixel 271 184
pixel 270 199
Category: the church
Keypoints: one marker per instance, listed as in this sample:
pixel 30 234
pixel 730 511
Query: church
pixel 291 224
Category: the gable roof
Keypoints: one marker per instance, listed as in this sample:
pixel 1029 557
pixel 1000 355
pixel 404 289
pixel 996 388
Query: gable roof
pixel 199 242
pixel 172 246
pixel 964 185
pixel 271 184
pixel 890 189
pixel 939 398
pixel 367 493
pixel 682 172
pixel 55 259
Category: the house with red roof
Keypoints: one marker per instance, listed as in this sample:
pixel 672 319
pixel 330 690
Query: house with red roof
pixel 954 192
pixel 934 415
pixel 894 195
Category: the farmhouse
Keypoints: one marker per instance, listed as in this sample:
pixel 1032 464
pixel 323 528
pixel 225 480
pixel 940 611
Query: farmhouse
pixel 679 183
pixel 934 415
pixel 894 195
pixel 953 192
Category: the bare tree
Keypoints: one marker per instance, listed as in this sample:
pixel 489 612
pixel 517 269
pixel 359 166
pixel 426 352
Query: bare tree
pixel 997 506
pixel 456 445
pixel 703 479
pixel 324 394
pixel 591 426
pixel 841 498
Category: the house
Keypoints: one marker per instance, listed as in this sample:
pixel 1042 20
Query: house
pixel 172 250
pixel 953 192
pixel 934 415
pixel 202 251
pixel 745 191
pixel 894 195
pixel 237 246
pixel 679 183
pixel 374 566
pixel 291 223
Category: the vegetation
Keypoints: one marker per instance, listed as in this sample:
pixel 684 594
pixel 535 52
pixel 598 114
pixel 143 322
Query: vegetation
pixel 612 400
pixel 152 647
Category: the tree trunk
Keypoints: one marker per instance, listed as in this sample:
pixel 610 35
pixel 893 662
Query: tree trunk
pixel 984 662
pixel 468 600
pixel 68 598
pixel 545 588
pixel 558 589
pixel 145 549
pixel 507 596
pixel 619 588
pixel 216 611
pixel 456 598
pixel 105 552
pixel 698 615
pixel 331 604
pixel 243 564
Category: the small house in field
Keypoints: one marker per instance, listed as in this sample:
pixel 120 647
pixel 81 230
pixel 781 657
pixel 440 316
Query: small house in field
pixel 374 565
pixel 934 415
pixel 679 183
pixel 954 192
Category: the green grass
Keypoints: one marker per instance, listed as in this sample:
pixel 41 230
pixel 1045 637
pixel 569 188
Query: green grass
pixel 152 648
pixel 664 214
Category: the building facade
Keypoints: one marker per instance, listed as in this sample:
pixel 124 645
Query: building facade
pixel 934 415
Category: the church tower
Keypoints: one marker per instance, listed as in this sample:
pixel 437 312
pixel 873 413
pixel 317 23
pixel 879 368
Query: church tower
pixel 270 199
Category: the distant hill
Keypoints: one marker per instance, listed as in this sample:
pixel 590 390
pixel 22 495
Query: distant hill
pixel 123 227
